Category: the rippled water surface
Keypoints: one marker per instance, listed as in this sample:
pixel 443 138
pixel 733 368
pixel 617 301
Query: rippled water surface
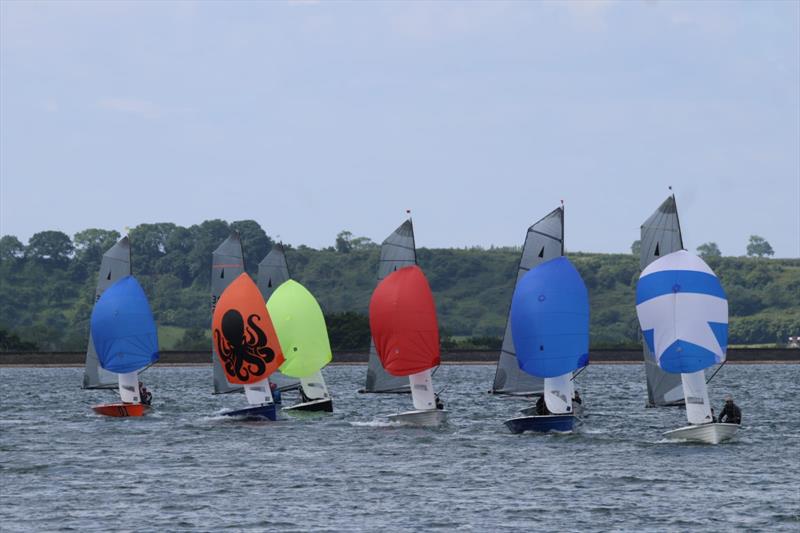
pixel 184 467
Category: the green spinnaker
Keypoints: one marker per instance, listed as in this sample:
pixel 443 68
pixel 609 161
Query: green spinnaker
pixel 301 330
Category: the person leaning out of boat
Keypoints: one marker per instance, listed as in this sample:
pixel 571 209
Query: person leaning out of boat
pixel 439 402
pixel 276 394
pixel 731 414
pixel 145 395
pixel 541 407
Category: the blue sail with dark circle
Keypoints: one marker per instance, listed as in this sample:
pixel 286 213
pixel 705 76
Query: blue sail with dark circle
pixel 550 319
pixel 123 330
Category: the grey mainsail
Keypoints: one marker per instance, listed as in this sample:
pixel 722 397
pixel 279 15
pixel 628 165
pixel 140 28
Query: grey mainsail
pixel 272 271
pixel 397 251
pixel 116 264
pixel 227 264
pixel 544 241
pixel 661 235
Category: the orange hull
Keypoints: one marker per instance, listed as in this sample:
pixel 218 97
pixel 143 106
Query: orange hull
pixel 121 409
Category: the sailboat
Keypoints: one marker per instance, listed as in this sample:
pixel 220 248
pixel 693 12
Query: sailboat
pixel 402 319
pixel 683 312
pixel 115 265
pixel 227 264
pixel 247 346
pixel 126 340
pixel 543 241
pixel 660 236
pixel 397 251
pixel 302 333
pixel 550 326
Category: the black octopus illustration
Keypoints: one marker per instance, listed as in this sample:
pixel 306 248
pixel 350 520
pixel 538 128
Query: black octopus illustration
pixel 243 349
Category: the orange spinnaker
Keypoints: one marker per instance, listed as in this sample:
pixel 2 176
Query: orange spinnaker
pixel 402 317
pixel 243 335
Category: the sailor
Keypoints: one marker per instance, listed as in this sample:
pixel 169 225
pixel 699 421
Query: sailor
pixel 439 402
pixel 541 407
pixel 145 395
pixel 303 397
pixel 276 394
pixel 731 414
pixel 577 398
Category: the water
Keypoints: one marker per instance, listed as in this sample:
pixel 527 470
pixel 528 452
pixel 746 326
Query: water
pixel 186 468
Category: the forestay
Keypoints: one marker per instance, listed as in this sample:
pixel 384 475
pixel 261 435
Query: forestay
pixel 683 313
pixel 227 265
pixel 397 251
pixel 544 241
pixel 660 236
pixel 116 264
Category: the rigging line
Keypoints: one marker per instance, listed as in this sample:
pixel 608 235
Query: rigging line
pixel 715 372
pixel 579 373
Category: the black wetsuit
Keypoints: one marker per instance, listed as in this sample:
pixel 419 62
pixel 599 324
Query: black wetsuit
pixel 541 407
pixel 731 414
pixel 146 396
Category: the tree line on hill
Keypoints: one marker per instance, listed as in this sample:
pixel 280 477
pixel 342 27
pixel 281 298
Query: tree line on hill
pixel 47 287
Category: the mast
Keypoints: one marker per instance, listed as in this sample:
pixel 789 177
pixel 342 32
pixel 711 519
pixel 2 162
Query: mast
pixel 115 265
pixel 544 240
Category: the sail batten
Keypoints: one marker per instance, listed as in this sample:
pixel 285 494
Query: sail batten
pixel 544 240
pixel 115 265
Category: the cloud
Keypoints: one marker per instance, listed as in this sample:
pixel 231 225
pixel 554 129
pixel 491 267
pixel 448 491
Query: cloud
pixel 142 108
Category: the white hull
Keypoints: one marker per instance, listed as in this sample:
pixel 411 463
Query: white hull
pixel 708 433
pixel 421 417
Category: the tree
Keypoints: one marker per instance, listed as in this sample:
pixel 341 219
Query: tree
pixel 255 242
pixel 91 244
pixel 50 246
pixel 11 248
pixel 759 247
pixel 362 243
pixel 344 242
pixel 709 249
pixel 636 247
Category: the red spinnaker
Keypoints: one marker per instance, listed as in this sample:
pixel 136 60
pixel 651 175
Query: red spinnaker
pixel 402 317
pixel 243 334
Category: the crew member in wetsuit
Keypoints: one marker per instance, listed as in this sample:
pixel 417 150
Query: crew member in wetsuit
pixel 731 414
pixel 577 398
pixel 541 407
pixel 276 394
pixel 145 396
pixel 439 402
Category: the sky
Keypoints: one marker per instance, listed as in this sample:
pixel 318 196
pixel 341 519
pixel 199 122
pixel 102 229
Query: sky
pixel 316 117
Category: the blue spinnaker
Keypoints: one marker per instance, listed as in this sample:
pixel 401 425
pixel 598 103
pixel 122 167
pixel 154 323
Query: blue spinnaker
pixel 123 329
pixel 550 319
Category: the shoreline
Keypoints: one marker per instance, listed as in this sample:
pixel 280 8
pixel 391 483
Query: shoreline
pixel 473 357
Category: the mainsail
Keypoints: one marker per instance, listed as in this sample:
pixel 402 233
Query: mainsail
pixel 272 272
pixel 397 251
pixel 116 264
pixel 544 241
pixel 227 265
pixel 661 235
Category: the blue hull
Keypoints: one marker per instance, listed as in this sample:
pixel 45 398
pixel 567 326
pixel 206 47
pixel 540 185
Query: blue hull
pixel 541 424
pixel 258 412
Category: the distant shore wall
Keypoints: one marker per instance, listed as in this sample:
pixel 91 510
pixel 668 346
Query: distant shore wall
pixel 735 355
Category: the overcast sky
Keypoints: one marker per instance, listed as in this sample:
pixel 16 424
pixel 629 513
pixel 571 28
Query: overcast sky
pixel 313 117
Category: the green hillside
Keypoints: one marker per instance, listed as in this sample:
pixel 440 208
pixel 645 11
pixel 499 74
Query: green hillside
pixel 47 285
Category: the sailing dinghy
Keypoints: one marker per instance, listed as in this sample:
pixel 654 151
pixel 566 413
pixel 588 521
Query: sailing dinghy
pixel 550 326
pixel 125 338
pixel 303 336
pixel 115 265
pixel 683 312
pixel 397 251
pixel 660 236
pixel 247 346
pixel 402 319
pixel 543 241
